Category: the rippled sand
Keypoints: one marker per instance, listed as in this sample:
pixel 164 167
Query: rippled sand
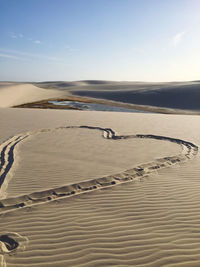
pixel 150 221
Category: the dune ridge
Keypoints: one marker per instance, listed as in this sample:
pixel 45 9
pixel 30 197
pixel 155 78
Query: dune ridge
pixel 7 160
pixel 166 95
pixel 13 94
pixel 167 98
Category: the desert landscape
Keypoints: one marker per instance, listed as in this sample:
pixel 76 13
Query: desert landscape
pixel 99 133
pixel 97 188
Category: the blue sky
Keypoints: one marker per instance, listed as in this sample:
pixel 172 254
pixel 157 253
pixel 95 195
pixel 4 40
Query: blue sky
pixel 133 40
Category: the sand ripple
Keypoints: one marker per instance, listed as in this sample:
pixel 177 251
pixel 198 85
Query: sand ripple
pixel 7 159
pixel 151 223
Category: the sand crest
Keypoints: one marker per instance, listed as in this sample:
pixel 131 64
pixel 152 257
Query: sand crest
pixel 12 95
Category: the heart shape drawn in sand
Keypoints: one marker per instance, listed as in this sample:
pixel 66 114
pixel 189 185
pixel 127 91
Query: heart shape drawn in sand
pixel 10 242
pixel 136 173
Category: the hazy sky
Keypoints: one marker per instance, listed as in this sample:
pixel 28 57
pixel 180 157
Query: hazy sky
pixel 146 40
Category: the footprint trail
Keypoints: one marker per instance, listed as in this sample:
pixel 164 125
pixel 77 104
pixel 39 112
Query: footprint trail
pixel 7 158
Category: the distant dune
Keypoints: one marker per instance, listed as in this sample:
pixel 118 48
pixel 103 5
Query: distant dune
pixel 173 95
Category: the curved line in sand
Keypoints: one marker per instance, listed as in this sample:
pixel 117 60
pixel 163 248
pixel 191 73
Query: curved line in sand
pixel 7 160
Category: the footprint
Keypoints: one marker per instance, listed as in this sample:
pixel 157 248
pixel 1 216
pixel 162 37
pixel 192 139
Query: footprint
pixel 11 242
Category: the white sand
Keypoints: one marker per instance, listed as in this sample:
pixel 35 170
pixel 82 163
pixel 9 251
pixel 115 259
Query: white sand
pixel 152 220
pixel 12 95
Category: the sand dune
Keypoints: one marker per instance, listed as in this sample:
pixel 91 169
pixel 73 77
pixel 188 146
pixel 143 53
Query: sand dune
pixel 139 208
pixel 172 95
pixel 98 188
pixel 16 94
